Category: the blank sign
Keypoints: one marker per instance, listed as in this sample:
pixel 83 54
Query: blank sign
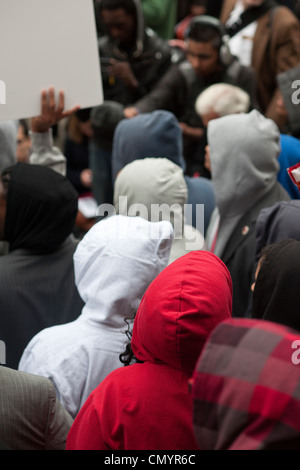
pixel 47 43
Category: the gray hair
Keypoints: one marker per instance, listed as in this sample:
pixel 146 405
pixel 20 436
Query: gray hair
pixel 223 99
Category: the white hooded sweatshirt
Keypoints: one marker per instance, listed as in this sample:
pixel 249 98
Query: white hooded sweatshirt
pixel 114 265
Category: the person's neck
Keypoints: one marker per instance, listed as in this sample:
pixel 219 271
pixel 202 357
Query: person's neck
pixel 216 77
pixel 128 48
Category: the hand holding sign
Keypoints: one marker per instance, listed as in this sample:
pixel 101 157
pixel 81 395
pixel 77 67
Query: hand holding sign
pixel 64 59
pixel 51 113
pixel 123 72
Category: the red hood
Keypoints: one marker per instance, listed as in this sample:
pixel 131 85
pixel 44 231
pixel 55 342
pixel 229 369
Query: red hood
pixel 186 301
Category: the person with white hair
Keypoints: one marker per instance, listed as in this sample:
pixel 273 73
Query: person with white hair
pixel 221 99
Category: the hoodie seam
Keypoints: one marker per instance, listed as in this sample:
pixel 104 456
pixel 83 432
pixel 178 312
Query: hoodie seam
pixel 178 313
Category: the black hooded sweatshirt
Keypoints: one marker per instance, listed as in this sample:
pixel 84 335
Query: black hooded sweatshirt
pixel 37 278
pixel 276 293
pixel 149 59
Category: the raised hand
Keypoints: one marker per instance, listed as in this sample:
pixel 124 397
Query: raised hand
pixel 51 113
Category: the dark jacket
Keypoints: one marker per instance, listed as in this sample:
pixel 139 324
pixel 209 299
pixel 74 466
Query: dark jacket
pixel 276 293
pixel 37 276
pixel 177 92
pixel 179 88
pixel 239 254
pixel 149 61
pixel 244 151
pixel 77 156
pixel 277 222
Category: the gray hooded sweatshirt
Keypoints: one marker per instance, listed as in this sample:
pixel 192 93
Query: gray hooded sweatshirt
pixel 155 189
pixel 244 151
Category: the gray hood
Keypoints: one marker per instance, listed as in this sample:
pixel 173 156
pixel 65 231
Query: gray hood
pixel 148 135
pixel 155 189
pixel 149 182
pixel 8 144
pixel 244 151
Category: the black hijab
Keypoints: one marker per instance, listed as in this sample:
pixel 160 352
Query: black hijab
pixel 41 209
pixel 277 288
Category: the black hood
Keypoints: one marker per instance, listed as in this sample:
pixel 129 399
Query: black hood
pixel 41 209
pixel 140 30
pixel 276 293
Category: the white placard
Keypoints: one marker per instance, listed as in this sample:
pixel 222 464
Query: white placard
pixel 47 43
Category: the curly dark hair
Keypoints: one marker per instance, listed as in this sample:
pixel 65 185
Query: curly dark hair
pixel 127 357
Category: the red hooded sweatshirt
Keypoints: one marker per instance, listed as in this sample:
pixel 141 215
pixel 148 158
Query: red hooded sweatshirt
pixel 147 406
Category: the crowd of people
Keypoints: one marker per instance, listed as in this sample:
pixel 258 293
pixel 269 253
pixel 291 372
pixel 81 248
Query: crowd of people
pixel 149 246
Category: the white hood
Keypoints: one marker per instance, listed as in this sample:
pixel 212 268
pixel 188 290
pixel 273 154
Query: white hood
pixel 115 263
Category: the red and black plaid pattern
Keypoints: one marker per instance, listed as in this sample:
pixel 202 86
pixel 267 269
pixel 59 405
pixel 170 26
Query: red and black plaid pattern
pixel 246 389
